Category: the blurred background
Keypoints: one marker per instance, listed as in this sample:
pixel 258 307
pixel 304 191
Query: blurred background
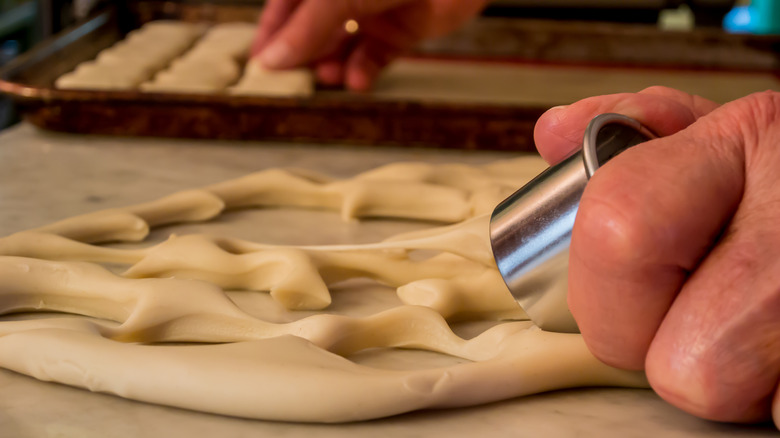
pixel 23 23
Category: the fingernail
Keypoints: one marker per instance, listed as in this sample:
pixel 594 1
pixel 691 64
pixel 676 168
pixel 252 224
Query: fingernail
pixel 275 55
pixel 557 108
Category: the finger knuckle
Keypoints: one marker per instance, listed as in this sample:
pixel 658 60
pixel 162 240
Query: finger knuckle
pixel 722 361
pixel 661 90
pixel 750 116
pixel 763 107
pixel 612 230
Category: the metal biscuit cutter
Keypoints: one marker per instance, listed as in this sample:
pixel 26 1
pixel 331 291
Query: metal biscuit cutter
pixel 530 231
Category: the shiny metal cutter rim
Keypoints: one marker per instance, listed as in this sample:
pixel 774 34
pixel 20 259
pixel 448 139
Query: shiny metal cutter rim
pixel 530 231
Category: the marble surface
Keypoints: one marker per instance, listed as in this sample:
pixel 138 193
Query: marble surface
pixel 45 176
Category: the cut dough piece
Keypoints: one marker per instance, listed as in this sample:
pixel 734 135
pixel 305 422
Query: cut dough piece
pixel 150 54
pixel 122 56
pixel 171 31
pixel 195 75
pixel 210 66
pixel 233 39
pixel 134 60
pixel 259 81
pixel 103 76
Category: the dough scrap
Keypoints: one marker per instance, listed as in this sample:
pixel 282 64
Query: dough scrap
pixel 122 333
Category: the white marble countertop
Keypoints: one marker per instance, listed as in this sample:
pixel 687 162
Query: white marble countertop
pixel 46 176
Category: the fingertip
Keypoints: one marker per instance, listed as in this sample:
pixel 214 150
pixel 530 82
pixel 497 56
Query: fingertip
pixel 276 55
pixel 330 72
pixel 554 137
pixel 273 17
pixel 258 43
pixel 558 133
pixel 255 49
pixel 358 80
pixel 361 72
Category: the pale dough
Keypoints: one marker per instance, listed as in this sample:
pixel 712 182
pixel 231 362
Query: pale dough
pixel 258 81
pixel 128 63
pixel 103 76
pixel 211 65
pixel 200 75
pixel 177 57
pixel 189 324
pixel 232 39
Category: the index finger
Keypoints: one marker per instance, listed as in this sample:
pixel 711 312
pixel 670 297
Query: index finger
pixel 663 110
pixel 312 28
pixel 272 18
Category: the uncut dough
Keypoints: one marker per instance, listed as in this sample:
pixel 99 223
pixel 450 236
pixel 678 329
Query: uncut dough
pixel 264 335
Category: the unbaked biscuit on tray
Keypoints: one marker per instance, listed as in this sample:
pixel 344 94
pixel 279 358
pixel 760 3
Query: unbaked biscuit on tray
pixel 168 56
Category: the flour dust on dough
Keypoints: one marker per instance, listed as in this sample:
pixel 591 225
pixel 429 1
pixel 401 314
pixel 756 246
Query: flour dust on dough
pixel 295 333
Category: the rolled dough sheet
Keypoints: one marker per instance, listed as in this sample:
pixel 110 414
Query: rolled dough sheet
pixel 295 333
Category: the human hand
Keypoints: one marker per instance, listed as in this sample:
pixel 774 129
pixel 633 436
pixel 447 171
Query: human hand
pixel 294 33
pixel 675 255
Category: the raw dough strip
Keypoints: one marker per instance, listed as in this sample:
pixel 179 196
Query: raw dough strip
pixel 288 379
pixel 292 188
pixel 299 278
pixel 445 193
pixel 365 195
pixel 131 224
pixel 171 310
pixel 280 270
pixel 239 264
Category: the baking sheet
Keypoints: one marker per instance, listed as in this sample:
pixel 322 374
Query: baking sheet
pixel 474 90
pixel 333 117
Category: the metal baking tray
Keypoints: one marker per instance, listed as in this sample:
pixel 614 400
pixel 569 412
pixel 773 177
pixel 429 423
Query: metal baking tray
pixel 331 117
pixel 342 117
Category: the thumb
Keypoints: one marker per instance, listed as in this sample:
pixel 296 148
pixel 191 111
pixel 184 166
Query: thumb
pixel 664 110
